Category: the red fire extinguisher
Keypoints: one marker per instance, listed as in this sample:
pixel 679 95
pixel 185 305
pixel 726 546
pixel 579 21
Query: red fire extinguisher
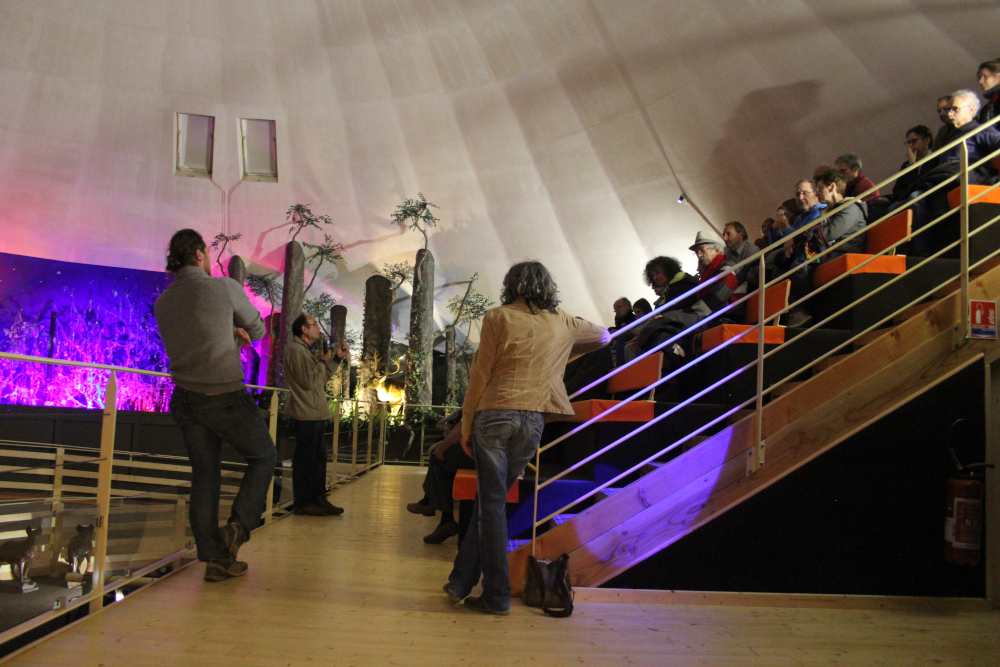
pixel 963 519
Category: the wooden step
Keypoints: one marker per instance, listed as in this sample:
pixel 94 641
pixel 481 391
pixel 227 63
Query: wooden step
pixel 865 339
pixel 833 360
pixel 906 314
pixel 514 545
pixel 650 467
pixel 606 493
pixel 785 388
pixel 738 416
pixel 560 519
pixel 693 441
pixel 986 266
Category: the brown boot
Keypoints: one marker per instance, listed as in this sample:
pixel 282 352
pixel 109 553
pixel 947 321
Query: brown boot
pixel 442 533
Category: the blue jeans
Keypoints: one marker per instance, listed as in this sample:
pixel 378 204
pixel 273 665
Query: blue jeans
pixel 207 422
pixel 308 462
pixel 505 440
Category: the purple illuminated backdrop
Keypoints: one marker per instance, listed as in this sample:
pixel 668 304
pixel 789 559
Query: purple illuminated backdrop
pixel 101 315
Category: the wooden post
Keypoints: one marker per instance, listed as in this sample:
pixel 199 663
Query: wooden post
pixel 382 434
pixel 273 430
pixel 991 510
pixel 104 492
pixel 372 417
pixel 180 529
pixel 57 507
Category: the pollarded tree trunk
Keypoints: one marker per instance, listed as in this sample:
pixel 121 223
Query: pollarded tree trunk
pixel 291 300
pixel 338 330
pixel 450 357
pixel 376 336
pixel 419 358
pixel 237 269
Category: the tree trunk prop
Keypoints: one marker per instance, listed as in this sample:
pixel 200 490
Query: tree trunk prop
pixel 419 358
pixel 338 328
pixel 450 357
pixel 376 336
pixel 291 299
pixel 237 269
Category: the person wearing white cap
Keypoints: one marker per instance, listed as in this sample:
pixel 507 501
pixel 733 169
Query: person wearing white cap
pixel 709 249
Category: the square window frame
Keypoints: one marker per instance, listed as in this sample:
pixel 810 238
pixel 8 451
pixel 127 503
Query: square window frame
pixel 241 141
pixel 182 171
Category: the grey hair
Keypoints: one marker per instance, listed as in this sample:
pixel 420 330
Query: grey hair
pixel 532 282
pixel 850 159
pixel 969 95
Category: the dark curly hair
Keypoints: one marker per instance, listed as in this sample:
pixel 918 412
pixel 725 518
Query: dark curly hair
pixel 183 246
pixel 670 267
pixel 531 281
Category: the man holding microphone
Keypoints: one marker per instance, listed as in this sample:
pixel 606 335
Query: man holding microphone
pixel 306 377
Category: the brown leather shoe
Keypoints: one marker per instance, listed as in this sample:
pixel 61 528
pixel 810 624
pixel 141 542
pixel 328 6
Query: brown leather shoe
pixel 442 533
pixel 417 508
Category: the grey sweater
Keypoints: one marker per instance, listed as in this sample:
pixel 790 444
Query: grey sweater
pixel 197 315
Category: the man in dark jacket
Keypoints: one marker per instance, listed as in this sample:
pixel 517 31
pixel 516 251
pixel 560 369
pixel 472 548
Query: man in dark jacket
pixel 989 79
pixel 306 376
pixel 962 114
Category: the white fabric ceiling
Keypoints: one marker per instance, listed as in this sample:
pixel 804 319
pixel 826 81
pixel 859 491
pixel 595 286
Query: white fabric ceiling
pixel 557 130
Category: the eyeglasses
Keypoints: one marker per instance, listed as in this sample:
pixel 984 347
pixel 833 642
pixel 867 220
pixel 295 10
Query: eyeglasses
pixel 958 108
pixel 313 324
pixel 914 142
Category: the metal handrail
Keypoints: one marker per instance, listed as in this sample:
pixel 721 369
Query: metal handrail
pixel 961 177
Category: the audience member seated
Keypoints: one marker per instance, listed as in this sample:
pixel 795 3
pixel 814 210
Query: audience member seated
pixel 919 144
pixel 830 187
pixel 849 165
pixel 623 316
pixel 796 251
pixel 623 313
pixel 710 298
pixel 944 133
pixel 989 79
pixel 444 459
pixel 765 234
pixel 641 308
pixel 668 280
pixel 738 248
pixel 962 115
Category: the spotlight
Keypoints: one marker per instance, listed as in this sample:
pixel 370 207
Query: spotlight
pixel 681 199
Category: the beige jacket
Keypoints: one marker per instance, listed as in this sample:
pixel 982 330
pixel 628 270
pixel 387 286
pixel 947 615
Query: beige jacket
pixel 306 377
pixel 522 358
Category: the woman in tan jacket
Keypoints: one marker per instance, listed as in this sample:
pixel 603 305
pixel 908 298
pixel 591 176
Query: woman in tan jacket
pixel 515 380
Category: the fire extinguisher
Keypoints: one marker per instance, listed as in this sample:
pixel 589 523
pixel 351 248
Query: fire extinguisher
pixel 963 519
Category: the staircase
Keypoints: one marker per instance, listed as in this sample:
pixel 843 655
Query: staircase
pixel 882 370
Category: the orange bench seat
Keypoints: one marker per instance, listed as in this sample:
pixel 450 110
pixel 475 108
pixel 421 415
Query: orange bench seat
pixel 991 197
pixel 636 411
pixel 716 336
pixel 465 486
pixel 850 262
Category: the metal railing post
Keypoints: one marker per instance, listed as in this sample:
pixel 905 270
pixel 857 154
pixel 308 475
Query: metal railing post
pixel 102 520
pixel 57 507
pixel 354 442
pixel 273 430
pixel 336 437
pixel 372 417
pixel 962 330
pixel 382 434
pixel 757 456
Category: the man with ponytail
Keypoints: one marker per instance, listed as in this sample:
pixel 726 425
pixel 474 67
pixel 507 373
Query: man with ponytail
pixel 203 321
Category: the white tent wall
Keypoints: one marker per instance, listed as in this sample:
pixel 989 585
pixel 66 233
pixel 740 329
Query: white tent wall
pixel 558 130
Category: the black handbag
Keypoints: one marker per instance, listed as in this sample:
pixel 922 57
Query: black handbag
pixel 547 586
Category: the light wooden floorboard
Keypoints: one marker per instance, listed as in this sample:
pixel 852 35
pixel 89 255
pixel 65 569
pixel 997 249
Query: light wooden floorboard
pixel 363 589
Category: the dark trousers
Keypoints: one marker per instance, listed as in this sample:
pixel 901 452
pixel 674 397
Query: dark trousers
pixel 206 422
pixel 441 477
pixel 308 462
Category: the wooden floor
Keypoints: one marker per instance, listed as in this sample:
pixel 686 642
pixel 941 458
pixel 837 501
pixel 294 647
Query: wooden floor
pixel 363 589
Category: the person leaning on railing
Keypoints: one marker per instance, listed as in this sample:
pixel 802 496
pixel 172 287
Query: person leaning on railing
pixel 308 409
pixel 515 380
pixel 203 321
pixel 962 115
